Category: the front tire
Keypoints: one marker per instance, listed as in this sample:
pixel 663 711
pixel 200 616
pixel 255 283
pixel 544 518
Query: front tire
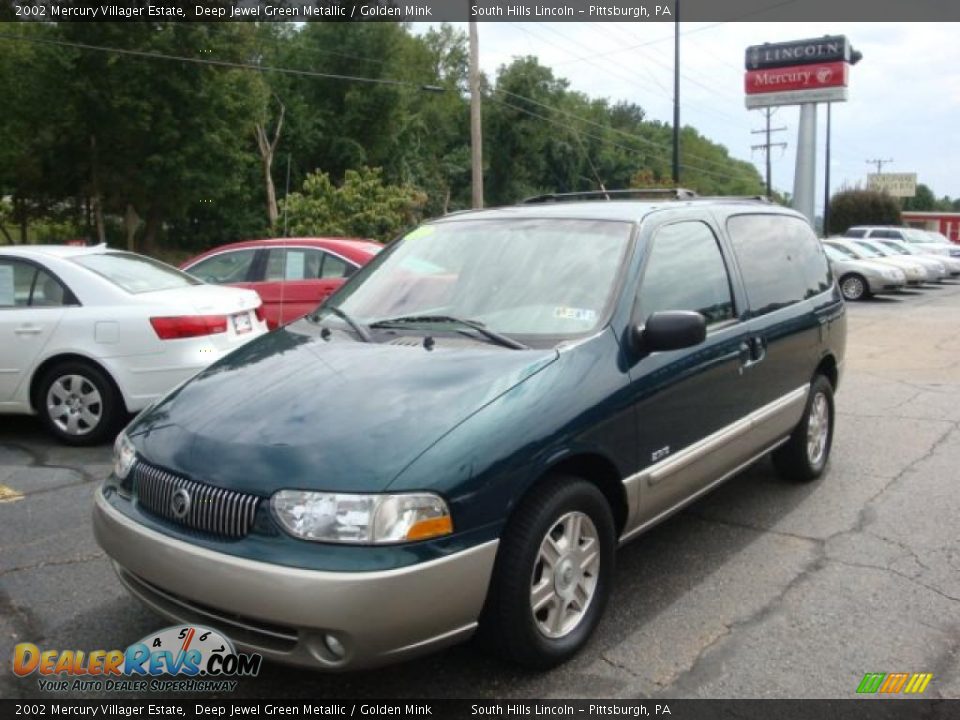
pixel 804 456
pixel 553 574
pixel 78 403
pixel 854 287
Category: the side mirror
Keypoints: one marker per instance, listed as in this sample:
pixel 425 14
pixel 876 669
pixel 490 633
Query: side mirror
pixel 670 330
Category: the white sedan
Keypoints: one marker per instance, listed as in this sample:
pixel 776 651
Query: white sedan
pixel 89 334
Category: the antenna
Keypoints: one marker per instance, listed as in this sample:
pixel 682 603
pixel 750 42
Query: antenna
pixel 283 245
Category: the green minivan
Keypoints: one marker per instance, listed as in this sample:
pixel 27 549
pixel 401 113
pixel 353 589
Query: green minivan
pixel 458 439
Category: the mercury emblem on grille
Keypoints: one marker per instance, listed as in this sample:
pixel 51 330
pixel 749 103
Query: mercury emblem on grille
pixel 180 504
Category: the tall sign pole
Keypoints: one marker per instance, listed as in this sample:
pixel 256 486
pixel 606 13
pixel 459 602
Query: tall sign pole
pixel 805 174
pixel 826 176
pixel 676 93
pixel 476 131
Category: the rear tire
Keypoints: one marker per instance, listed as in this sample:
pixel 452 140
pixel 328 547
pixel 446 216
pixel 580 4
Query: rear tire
pixel 553 574
pixel 854 287
pixel 78 403
pixel 805 455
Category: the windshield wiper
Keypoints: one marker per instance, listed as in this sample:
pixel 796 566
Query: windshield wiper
pixel 472 324
pixel 358 328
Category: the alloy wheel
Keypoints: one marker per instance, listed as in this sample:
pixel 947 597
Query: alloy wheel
pixel 852 288
pixel 74 404
pixel 818 429
pixel 565 575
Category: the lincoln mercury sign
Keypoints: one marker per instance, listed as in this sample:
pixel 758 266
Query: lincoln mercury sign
pixel 794 73
pixel 830 48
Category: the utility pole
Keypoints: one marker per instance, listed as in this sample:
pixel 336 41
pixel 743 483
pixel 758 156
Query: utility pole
pixel 768 145
pixel 880 163
pixel 676 93
pixel 826 175
pixel 476 131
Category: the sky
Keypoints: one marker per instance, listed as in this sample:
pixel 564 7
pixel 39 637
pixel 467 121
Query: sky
pixel 904 96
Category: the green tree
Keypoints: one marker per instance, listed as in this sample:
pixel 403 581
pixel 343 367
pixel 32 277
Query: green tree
pixel 862 207
pixel 362 206
pixel 923 200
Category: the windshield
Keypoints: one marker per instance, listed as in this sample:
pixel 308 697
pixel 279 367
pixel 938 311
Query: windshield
pixel 856 251
pixel 895 247
pixel 837 253
pixel 878 250
pixel 936 237
pixel 917 236
pixel 551 278
pixel 135 273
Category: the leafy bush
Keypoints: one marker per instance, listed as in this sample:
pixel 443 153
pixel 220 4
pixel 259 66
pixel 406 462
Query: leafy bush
pixel 363 206
pixel 862 207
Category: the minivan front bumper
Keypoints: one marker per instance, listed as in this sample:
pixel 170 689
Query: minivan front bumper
pixel 287 614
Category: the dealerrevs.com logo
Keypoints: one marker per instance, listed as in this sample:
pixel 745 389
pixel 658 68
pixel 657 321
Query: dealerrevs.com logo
pixel 198 658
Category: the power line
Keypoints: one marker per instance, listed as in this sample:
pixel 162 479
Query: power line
pixel 335 76
pixel 767 145
pixel 608 140
pixel 880 163
pixel 728 118
pixel 660 146
pixel 220 63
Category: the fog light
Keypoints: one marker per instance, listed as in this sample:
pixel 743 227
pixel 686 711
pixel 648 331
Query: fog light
pixel 335 647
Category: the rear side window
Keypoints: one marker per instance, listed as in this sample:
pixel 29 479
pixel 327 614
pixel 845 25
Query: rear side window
pixel 135 273
pixel 887 234
pixel 686 271
pixel 855 233
pixel 781 260
pixel 227 267
pixel 25 285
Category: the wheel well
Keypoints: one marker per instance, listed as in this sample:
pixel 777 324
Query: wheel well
pixel 828 368
pixel 68 357
pixel 599 471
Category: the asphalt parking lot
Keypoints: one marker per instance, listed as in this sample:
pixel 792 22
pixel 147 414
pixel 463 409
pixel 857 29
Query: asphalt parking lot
pixel 762 589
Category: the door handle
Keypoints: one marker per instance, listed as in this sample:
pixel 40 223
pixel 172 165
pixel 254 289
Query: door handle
pixel 28 330
pixel 752 352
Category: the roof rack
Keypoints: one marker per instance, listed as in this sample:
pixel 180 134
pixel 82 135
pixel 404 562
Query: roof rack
pixel 755 198
pixel 630 194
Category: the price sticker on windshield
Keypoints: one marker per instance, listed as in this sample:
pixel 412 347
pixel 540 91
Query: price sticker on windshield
pixel 569 313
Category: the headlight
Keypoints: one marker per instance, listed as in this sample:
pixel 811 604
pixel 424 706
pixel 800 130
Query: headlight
pixel 124 456
pixel 361 519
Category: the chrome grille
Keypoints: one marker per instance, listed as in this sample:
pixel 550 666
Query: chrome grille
pixel 212 510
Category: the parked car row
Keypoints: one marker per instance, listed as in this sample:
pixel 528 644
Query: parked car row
pixel 874 260
pixel 95 334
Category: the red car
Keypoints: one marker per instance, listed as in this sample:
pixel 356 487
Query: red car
pixel 291 275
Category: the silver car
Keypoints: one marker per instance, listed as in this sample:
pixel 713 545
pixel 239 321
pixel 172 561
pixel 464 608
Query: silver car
pixel 916 274
pixel 936 271
pixel 859 279
pixel 903 248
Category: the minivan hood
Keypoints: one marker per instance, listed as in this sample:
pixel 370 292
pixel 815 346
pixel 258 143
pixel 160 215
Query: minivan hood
pixel 292 410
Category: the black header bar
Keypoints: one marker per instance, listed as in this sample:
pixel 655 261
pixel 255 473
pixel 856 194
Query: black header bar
pixel 638 11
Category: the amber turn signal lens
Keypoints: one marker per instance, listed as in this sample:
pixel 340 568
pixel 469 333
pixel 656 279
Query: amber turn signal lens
pixel 429 528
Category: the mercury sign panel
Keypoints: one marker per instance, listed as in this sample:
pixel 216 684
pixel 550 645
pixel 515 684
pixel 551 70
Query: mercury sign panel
pixel 797 77
pixel 829 48
pixel 895 184
pixel 796 97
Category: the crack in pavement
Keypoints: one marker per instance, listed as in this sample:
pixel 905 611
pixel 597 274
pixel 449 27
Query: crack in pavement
pixel 54 563
pixel 868 566
pixel 818 563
